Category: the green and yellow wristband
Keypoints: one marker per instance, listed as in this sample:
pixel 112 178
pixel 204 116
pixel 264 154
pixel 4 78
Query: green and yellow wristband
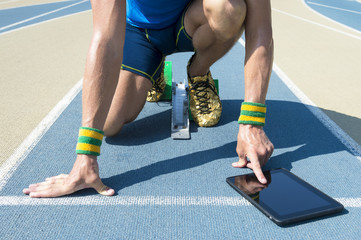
pixel 89 141
pixel 253 114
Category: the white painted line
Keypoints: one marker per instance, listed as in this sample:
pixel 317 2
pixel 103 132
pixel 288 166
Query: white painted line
pixel 41 15
pixel 353 146
pixel 320 25
pixel 125 201
pixel 32 5
pixel 142 201
pixel 10 165
pixel 329 19
pixel 10 1
pixel 47 21
pixel 336 8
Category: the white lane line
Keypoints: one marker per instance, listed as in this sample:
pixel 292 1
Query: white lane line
pixel 125 201
pixel 38 4
pixel 142 201
pixel 351 144
pixel 10 165
pixel 41 15
pixel 10 1
pixel 336 8
pixel 330 19
pixel 320 25
pixel 42 22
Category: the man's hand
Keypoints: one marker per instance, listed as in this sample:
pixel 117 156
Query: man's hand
pixel 253 145
pixel 85 174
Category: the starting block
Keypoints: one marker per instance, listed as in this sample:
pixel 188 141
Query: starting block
pixel 178 94
pixel 180 112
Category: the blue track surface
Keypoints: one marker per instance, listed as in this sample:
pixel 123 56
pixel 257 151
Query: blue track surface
pixel 25 16
pixel 347 12
pixel 143 162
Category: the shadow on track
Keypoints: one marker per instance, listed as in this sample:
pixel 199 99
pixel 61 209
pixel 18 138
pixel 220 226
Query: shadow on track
pixel 289 125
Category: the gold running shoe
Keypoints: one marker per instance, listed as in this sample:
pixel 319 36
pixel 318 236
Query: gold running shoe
pixel 157 90
pixel 205 105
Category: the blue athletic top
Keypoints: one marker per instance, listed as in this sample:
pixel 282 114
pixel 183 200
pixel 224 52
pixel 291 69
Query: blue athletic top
pixel 154 14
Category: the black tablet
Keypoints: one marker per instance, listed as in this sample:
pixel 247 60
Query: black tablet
pixel 285 198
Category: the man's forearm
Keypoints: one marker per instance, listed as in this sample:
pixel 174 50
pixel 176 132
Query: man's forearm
pixel 100 79
pixel 259 50
pixel 103 61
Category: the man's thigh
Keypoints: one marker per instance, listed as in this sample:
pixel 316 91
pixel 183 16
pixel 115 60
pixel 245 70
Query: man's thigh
pixel 224 18
pixel 140 56
pixel 194 17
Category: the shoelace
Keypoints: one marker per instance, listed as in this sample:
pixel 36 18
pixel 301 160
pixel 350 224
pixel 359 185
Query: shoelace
pixel 201 95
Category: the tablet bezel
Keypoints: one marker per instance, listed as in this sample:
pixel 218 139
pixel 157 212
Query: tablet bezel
pixel 281 220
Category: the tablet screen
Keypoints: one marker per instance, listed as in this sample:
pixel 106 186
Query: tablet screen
pixel 285 196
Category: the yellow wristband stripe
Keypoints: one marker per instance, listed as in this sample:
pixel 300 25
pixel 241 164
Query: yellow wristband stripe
pixel 253 108
pixel 90 133
pixel 89 141
pixel 252 114
pixel 88 147
pixel 253 119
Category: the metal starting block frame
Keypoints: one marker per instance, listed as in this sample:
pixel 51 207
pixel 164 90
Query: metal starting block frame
pixel 180 115
pixel 178 94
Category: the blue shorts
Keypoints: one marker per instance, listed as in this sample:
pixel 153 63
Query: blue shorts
pixel 145 49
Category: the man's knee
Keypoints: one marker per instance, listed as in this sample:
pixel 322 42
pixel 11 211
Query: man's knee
pixel 226 17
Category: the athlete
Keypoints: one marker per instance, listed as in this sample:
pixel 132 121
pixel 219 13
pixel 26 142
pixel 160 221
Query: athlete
pixel 136 36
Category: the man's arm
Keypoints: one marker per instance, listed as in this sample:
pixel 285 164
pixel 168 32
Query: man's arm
pixel 100 79
pixel 252 142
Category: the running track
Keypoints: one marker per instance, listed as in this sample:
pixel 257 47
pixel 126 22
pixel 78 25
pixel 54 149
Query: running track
pixel 181 194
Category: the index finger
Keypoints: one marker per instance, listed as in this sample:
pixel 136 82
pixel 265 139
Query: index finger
pixel 256 167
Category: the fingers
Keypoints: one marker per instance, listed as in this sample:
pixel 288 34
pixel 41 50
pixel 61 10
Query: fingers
pixel 85 174
pixel 256 167
pixel 60 176
pixel 253 143
pixel 103 189
pixel 242 162
pixel 62 185
pixel 48 189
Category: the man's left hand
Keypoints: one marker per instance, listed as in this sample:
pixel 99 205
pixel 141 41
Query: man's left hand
pixel 253 149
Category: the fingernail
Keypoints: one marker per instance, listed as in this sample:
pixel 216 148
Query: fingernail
pixel 263 180
pixel 108 192
pixel 235 164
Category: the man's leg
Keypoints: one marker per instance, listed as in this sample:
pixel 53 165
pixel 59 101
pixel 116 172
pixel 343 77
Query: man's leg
pixel 128 101
pixel 214 26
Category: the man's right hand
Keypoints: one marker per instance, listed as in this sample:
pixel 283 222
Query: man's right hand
pixel 85 174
